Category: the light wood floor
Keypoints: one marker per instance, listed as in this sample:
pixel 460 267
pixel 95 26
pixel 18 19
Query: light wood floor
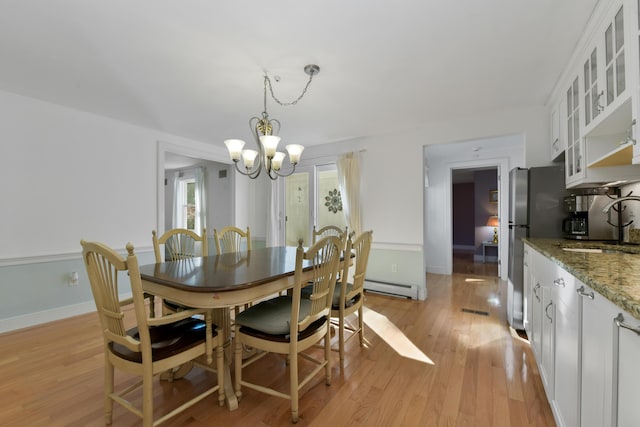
pixel 463 262
pixel 427 363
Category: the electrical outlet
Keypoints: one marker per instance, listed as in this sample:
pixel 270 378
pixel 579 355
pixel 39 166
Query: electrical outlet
pixel 74 279
pixel 394 268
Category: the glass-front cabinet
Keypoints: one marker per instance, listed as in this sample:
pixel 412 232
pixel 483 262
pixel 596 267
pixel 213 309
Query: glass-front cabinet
pixel 614 57
pixel 575 144
pixel 606 82
pixel 593 109
pixel 592 106
pixel 557 131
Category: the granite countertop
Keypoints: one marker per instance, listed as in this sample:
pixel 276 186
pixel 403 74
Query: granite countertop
pixel 616 275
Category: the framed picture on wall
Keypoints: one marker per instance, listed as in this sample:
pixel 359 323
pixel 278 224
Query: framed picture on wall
pixel 493 196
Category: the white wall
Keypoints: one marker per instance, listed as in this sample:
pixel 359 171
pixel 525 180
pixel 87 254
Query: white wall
pixel 69 175
pixel 393 174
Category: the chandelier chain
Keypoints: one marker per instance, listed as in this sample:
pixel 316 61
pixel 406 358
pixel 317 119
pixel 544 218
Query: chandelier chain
pixel 267 82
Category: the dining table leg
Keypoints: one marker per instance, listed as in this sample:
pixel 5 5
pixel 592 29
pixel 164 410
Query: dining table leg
pixel 222 319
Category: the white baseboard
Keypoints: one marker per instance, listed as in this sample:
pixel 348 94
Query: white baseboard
pixel 409 291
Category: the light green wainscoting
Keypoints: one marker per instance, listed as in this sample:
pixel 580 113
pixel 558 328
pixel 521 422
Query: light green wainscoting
pixel 36 290
pixel 397 269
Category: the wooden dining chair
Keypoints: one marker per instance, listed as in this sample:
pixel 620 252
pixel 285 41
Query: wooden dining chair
pixel 229 239
pixel 329 230
pixel 290 324
pixel 179 243
pixel 154 345
pixel 348 297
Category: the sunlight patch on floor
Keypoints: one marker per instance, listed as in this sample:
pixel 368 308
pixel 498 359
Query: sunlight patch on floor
pixel 471 279
pixel 393 336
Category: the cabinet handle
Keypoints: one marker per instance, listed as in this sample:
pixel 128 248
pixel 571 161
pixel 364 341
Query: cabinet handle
pixel 560 282
pixel 581 292
pixel 537 286
pixel 619 321
pixel 546 311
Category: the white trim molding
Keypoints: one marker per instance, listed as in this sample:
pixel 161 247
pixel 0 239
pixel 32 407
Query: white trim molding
pixel 69 256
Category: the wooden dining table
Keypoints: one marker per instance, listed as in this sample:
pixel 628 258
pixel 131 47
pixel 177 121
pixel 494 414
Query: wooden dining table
pixel 219 282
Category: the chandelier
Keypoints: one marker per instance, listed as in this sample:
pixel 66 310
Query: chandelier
pixel 265 132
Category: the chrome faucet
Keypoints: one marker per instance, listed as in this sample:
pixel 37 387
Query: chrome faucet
pixel 609 205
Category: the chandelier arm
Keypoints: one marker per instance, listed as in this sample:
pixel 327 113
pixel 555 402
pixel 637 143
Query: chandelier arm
pixel 277 122
pixel 273 177
pixel 252 173
pixel 284 175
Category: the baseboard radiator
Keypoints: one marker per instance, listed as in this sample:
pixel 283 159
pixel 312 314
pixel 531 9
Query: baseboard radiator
pixel 396 289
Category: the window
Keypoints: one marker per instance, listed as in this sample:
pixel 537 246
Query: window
pixel 186 199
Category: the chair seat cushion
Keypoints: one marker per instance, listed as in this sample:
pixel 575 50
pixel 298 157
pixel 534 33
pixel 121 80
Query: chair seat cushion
pixel 166 340
pixel 335 304
pixel 285 338
pixel 272 316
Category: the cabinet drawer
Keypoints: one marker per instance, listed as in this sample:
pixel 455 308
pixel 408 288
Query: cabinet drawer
pixel 564 285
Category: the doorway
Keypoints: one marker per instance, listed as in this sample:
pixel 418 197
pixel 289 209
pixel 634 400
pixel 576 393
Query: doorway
pixel 474 213
pixel 220 183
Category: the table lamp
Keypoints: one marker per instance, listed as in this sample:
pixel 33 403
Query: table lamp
pixel 493 222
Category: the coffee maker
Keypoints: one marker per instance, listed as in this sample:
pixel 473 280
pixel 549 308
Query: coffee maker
pixel 585 219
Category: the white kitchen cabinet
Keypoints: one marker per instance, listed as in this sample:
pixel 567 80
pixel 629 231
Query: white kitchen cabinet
pixel 607 83
pixel 574 162
pixel 535 336
pixel 635 38
pixel 596 349
pixel 586 347
pixel 614 58
pixel 526 291
pixel 593 111
pixel 558 138
pixel 592 90
pixel 626 372
pixel 548 341
pixel 534 300
pixel 543 337
pixel 567 349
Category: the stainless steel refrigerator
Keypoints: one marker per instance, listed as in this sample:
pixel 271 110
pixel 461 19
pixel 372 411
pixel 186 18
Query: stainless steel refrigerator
pixel 535 210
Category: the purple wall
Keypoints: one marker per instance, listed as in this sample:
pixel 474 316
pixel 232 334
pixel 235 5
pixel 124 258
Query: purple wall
pixel 463 214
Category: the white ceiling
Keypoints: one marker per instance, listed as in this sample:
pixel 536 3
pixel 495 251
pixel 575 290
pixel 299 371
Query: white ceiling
pixel 194 68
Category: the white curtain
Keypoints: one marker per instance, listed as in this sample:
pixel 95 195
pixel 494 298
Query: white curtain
pixel 349 181
pixel 274 214
pixel 201 201
pixel 177 210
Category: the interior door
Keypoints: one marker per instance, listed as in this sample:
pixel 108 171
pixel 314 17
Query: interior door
pixel 312 197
